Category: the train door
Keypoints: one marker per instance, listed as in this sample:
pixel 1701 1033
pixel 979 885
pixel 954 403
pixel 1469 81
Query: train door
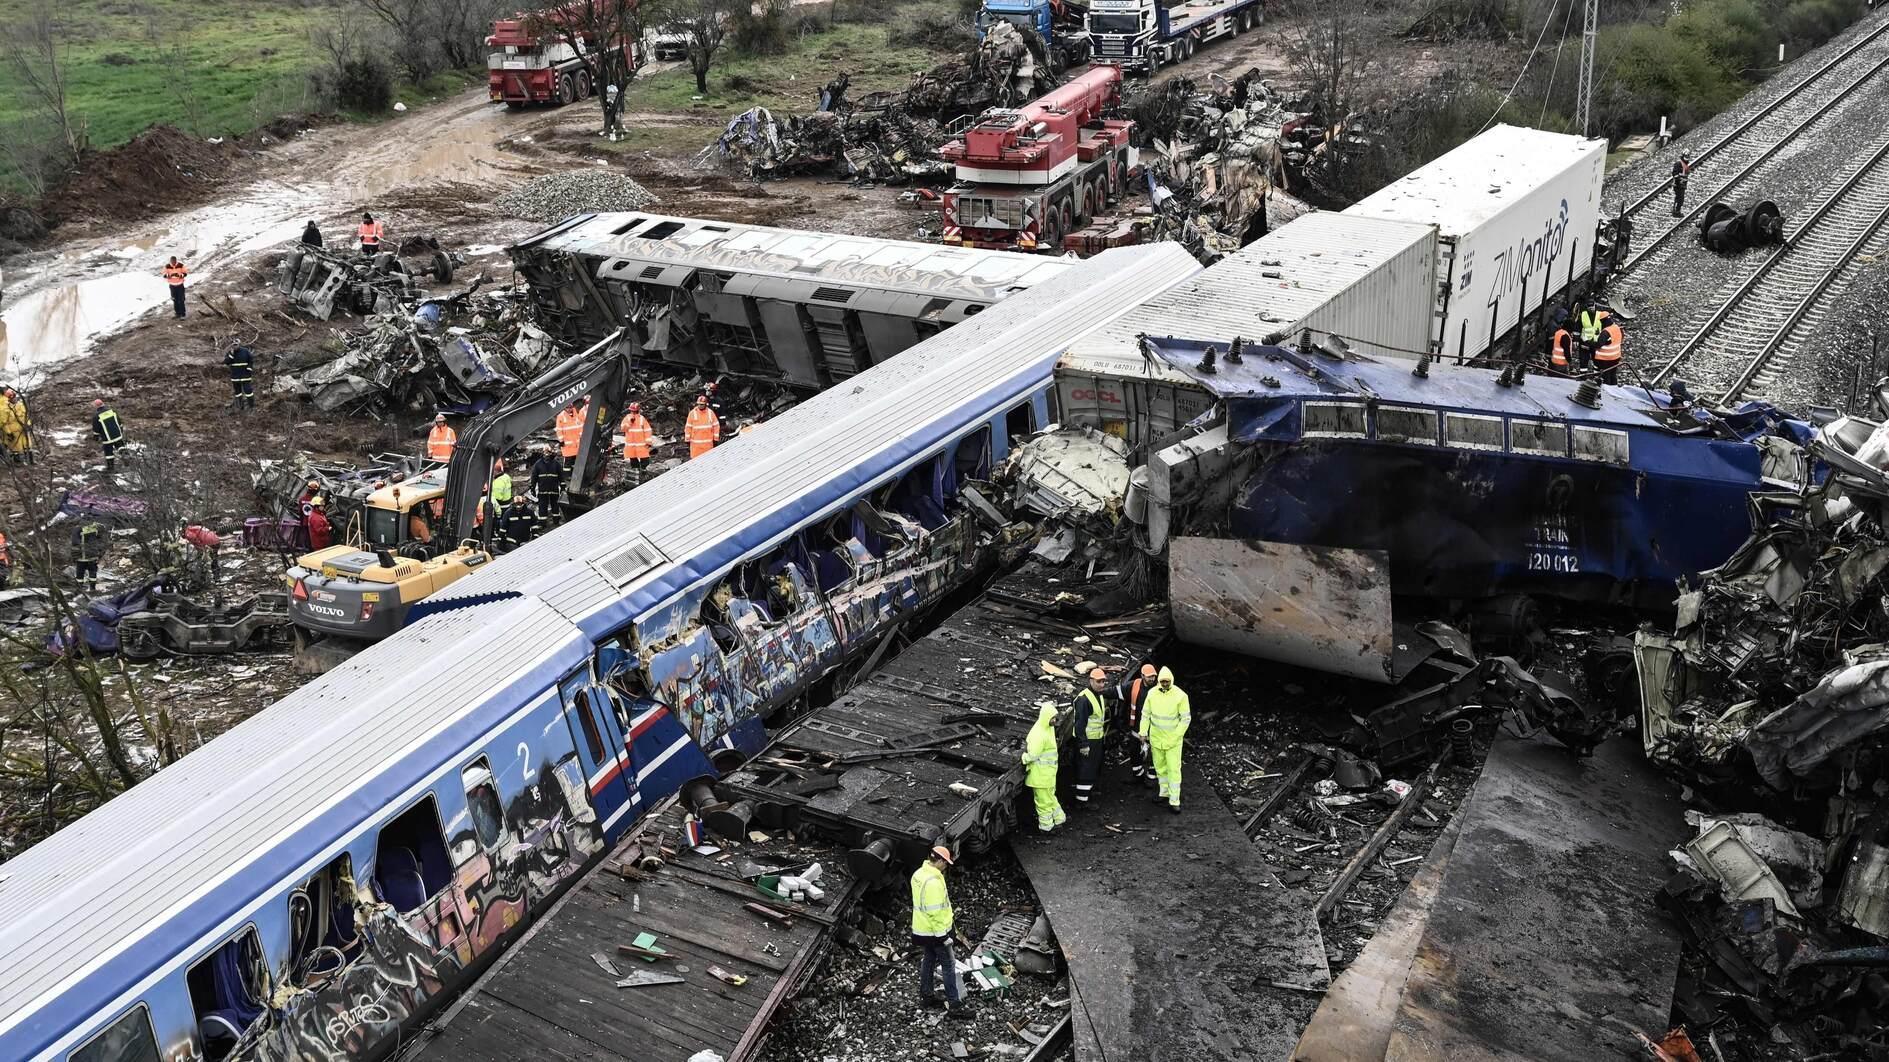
pixel 600 747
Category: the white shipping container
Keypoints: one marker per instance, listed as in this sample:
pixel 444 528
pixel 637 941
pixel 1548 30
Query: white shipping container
pixel 1517 213
pixel 1367 280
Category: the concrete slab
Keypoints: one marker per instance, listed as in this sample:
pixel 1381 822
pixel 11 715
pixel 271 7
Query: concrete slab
pixel 1175 931
pixel 1544 943
pixel 1355 1019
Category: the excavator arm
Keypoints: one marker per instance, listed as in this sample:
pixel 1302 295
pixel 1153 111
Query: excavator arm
pixel 601 374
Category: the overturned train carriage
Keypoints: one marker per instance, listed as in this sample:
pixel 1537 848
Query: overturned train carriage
pixel 1323 488
pixel 321 880
pixel 801 308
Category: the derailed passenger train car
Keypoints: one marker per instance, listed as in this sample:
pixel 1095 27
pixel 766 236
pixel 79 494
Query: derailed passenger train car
pixel 806 309
pixel 325 877
pixel 1349 482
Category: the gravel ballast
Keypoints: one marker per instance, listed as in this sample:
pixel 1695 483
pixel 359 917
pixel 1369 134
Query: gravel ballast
pixel 556 196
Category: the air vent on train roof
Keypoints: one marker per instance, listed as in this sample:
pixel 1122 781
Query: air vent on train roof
pixel 652 272
pixel 833 294
pixel 626 564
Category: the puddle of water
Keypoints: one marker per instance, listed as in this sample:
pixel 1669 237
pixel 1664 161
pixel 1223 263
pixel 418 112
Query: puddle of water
pixel 57 323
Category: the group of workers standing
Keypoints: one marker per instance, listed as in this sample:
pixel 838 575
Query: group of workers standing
pixel 1596 343
pixel 1147 705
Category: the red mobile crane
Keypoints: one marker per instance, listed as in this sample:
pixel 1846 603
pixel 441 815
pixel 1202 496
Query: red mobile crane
pixel 1026 177
pixel 530 59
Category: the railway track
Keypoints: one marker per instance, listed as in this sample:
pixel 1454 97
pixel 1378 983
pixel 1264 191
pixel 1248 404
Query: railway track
pixel 1763 322
pixel 1747 151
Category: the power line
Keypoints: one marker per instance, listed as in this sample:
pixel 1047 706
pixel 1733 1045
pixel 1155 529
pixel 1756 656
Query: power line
pixel 1510 94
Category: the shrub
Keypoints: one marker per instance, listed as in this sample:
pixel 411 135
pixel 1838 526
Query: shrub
pixel 365 84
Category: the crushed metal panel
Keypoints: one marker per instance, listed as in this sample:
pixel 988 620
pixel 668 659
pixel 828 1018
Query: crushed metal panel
pixel 1864 901
pixel 1078 471
pixel 1721 854
pixel 1311 606
pixel 1542 940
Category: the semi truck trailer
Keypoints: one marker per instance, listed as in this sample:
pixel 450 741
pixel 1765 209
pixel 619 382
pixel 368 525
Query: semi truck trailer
pixel 1145 35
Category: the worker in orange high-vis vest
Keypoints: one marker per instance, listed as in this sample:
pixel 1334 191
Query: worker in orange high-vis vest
pixel 441 440
pixel 570 427
pixel 703 429
pixel 1607 355
pixel 174 274
pixel 1558 357
pixel 637 437
pixel 371 234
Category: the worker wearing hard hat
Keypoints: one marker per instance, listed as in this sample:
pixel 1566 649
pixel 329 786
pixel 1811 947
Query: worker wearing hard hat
pixel 1133 693
pixel 1091 733
pixel 931 931
pixel 1040 756
pixel 1164 720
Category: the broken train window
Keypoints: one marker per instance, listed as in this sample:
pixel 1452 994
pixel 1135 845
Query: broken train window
pixel 1328 420
pixel 410 862
pixel 1546 437
pixel 1472 431
pixel 1602 444
pixel 226 992
pixel 129 1039
pixel 482 803
pixel 322 934
pixel 1404 424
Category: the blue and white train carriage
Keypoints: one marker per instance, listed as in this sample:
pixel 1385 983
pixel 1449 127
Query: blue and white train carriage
pixel 326 875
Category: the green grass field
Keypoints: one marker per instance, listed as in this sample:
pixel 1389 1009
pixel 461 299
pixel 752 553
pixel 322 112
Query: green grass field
pixel 212 67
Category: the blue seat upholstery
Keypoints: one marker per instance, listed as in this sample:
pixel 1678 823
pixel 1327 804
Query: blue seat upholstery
pixel 398 876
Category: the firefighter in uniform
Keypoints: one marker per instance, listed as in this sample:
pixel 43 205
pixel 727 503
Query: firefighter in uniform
pixel 241 361
pixel 441 439
pixel 570 428
pixel 174 274
pixel 1607 355
pixel 371 233
pixel 547 478
pixel 637 438
pixel 1164 721
pixel 1091 733
pixel 88 548
pixel 1041 759
pixel 703 429
pixel 108 431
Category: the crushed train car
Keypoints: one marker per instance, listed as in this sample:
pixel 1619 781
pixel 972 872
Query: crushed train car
pixel 803 309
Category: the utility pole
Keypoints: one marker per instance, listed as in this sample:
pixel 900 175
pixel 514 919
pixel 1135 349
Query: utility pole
pixel 1584 102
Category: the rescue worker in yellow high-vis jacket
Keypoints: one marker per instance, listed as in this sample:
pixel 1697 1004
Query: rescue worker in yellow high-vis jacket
pixel 931 932
pixel 1040 755
pixel 1164 720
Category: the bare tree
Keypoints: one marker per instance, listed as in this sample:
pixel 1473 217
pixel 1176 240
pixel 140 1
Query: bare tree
pixel 1331 52
pixel 604 35
pixel 34 53
pixel 707 23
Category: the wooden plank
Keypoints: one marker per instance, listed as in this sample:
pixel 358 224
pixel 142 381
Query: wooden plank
pixel 1355 1018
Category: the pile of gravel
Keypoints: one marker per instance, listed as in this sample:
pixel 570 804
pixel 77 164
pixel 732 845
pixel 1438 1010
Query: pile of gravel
pixel 556 196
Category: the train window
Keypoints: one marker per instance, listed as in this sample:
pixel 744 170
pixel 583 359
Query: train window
pixel 1020 422
pixel 660 232
pixel 1472 431
pixel 588 724
pixel 226 992
pixel 322 935
pixel 488 816
pixel 1332 420
pixel 129 1039
pixel 1402 424
pixel 1546 437
pixel 410 863
pixel 973 456
pixel 1602 444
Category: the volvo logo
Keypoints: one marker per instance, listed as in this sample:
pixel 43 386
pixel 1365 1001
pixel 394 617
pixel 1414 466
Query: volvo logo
pixel 321 610
pixel 563 398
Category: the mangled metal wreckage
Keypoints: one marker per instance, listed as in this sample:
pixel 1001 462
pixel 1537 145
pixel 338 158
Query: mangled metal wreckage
pixel 1325 509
